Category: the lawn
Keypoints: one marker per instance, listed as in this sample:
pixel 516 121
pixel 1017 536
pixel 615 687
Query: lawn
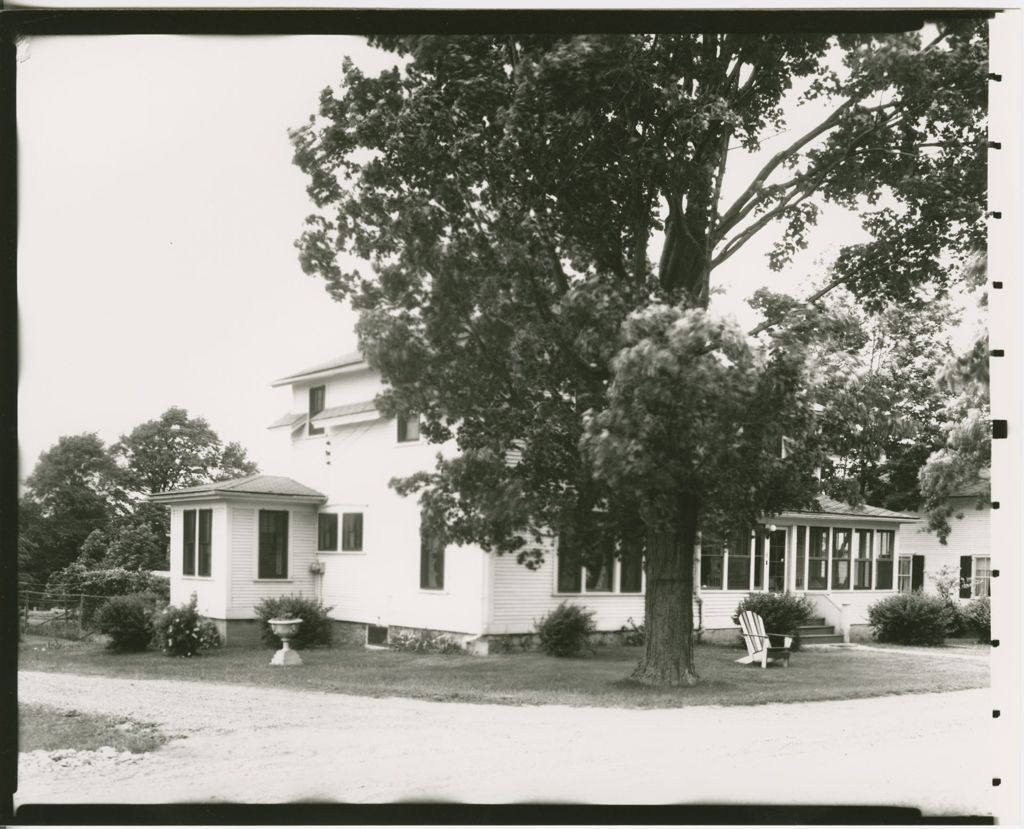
pixel 46 728
pixel 600 679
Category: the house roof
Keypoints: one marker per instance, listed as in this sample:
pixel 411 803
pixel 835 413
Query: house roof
pixel 830 506
pixel 272 485
pixel 352 358
pixel 289 419
pixel 347 409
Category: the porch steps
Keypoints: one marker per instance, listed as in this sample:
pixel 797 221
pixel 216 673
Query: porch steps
pixel 816 632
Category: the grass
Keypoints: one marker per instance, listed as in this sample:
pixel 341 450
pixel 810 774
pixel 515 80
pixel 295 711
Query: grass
pixel 48 728
pixel 600 679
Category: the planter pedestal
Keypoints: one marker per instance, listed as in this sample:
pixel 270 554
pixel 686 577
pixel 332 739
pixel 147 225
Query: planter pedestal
pixel 285 629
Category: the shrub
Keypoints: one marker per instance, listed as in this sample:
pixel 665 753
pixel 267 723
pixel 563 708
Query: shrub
pixel 634 634
pixel 423 641
pixel 128 621
pixel 97 585
pixel 181 631
pixel 947 585
pixel 978 618
pixel 316 628
pixel 910 619
pixel 564 631
pixel 783 613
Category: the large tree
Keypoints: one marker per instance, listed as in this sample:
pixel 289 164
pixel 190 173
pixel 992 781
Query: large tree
pixel 519 197
pixel 72 491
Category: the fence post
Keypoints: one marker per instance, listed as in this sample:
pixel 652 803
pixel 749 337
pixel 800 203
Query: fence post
pixel 81 616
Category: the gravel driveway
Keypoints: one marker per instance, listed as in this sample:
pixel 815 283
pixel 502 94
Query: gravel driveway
pixel 258 745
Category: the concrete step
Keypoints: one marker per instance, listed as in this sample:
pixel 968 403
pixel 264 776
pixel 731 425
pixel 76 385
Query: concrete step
pixel 816 621
pixel 810 630
pixel 821 639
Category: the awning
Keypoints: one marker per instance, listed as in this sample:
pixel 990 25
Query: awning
pixel 292 420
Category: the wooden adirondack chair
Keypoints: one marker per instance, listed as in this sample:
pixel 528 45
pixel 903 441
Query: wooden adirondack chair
pixel 758 644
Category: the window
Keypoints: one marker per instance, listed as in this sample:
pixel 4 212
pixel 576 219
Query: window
pixel 570 573
pixel 188 535
pixel 738 569
pixel 981 581
pixel 573 577
pixel 273 544
pixel 903 574
pixel 431 560
pixel 317 396
pixel 631 569
pixel 801 555
pixel 841 541
pixel 190 539
pixel 862 564
pixel 352 531
pixel 975 577
pixel 408 428
pixel 712 559
pixel 777 561
pixel 205 541
pixel 327 532
pixel 883 564
pixel 759 539
pixel 817 559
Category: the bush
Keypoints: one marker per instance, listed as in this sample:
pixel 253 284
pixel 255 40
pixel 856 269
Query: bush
pixel 97 585
pixel 634 634
pixel 783 613
pixel 565 630
pixel 947 585
pixel 128 621
pixel 316 627
pixel 181 631
pixel 978 618
pixel 910 619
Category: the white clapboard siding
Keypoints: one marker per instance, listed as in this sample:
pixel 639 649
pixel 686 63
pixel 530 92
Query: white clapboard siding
pixel 970 535
pixel 247 590
pixel 520 596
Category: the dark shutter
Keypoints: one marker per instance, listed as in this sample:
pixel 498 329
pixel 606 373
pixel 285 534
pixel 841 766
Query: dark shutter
pixel 917 572
pixel 965 577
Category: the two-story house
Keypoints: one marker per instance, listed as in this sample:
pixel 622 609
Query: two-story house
pixel 334 529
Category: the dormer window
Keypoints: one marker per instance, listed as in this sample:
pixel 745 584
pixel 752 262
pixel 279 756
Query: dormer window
pixel 317 397
pixel 408 428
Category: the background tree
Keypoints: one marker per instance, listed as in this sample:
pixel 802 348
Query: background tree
pixel 507 191
pixel 73 490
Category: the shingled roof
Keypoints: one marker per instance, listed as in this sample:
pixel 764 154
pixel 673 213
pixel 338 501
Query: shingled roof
pixel 274 485
pixel 830 506
pixel 352 358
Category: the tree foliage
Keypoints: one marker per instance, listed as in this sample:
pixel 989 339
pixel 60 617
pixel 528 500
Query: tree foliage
pixel 511 192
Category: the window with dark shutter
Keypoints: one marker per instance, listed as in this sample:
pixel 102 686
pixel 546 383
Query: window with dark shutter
pixel 188 537
pixel 205 541
pixel 431 560
pixel 352 531
pixel 966 576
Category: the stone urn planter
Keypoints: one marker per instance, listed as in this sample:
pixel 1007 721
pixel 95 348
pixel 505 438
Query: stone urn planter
pixel 285 629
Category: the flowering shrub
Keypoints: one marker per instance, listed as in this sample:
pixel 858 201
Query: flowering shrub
pixel 423 641
pixel 181 631
pixel 978 617
pixel 566 630
pixel 316 626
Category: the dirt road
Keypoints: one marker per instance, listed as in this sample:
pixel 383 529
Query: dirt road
pixel 259 745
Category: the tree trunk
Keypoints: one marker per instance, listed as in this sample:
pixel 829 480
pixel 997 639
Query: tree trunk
pixel 668 604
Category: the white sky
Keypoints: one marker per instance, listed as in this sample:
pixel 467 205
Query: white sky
pixel 157 218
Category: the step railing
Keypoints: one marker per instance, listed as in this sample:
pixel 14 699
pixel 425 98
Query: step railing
pixel 843 611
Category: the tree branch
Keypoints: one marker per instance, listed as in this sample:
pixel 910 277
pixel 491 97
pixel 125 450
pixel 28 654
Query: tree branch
pixel 835 283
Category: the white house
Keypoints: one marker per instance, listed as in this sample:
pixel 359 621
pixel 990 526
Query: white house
pixel 335 530
pixel 967 549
